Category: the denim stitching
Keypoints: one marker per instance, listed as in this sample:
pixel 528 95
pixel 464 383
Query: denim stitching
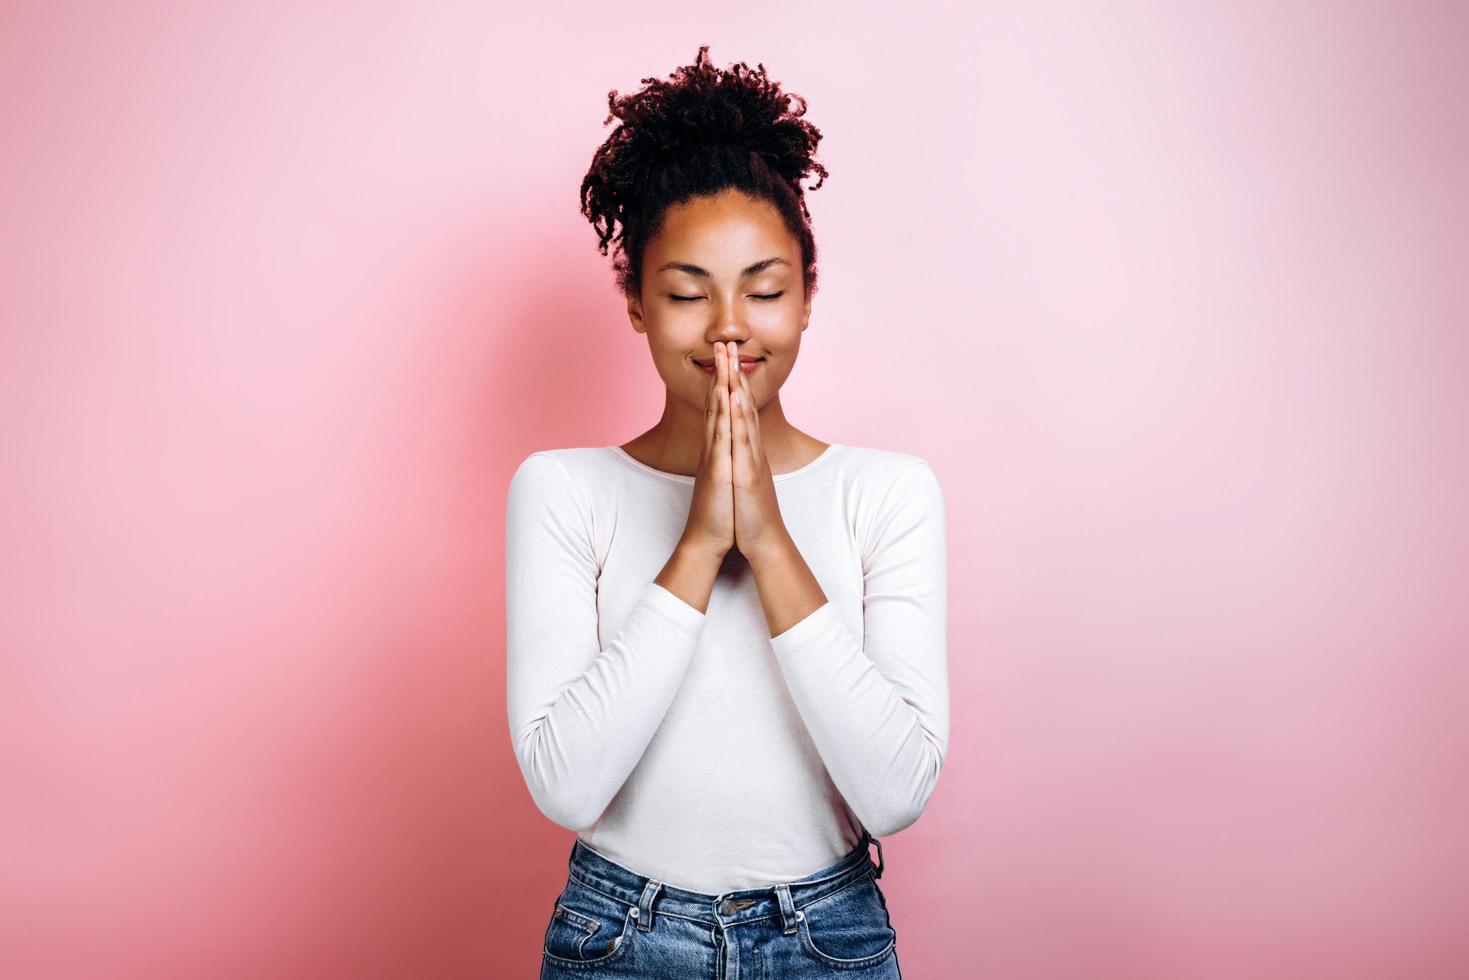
pixel 730 925
pixel 804 931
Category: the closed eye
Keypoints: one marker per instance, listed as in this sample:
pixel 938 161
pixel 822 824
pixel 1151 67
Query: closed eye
pixel 690 299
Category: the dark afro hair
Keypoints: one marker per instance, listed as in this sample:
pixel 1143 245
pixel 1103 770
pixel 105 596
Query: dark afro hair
pixel 701 132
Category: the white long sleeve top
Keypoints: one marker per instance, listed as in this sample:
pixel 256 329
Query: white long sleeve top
pixel 696 748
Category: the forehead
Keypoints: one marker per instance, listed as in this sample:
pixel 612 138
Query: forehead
pixel 723 233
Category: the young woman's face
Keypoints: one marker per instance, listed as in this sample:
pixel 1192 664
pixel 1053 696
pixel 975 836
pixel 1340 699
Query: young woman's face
pixel 722 268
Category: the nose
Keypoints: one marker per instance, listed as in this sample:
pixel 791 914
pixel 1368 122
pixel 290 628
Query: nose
pixel 727 324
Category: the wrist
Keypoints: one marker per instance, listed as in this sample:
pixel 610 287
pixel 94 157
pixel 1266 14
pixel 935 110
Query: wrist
pixel 775 548
pixel 698 550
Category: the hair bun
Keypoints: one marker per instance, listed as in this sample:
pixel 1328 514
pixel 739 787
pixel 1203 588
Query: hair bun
pixel 698 130
pixel 700 107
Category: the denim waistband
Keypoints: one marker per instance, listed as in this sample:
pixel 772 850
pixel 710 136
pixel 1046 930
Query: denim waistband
pixel 648 896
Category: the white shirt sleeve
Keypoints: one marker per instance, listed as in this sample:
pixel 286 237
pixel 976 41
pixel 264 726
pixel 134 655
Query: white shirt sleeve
pixel 878 709
pixel 580 715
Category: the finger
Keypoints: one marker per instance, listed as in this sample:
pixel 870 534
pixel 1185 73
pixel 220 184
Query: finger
pixel 733 347
pixel 721 388
pixel 724 423
pixel 751 416
pixel 721 400
pixel 739 425
pixel 735 376
pixel 711 406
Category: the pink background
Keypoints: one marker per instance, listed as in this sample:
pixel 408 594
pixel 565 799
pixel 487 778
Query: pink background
pixel 1173 300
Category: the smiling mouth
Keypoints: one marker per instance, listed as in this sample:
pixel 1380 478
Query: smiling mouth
pixel 743 360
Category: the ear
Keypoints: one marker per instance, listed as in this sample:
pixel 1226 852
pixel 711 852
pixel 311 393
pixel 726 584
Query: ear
pixel 635 314
pixel 806 313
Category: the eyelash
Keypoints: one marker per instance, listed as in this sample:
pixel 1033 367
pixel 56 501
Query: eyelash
pixel 687 299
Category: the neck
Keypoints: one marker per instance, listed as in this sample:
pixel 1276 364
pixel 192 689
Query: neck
pixel 675 442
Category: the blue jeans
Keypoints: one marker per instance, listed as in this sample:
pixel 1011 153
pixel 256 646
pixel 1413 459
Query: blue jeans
pixel 610 921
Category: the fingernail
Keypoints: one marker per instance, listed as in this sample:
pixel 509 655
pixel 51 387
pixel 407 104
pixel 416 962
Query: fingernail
pixel 737 399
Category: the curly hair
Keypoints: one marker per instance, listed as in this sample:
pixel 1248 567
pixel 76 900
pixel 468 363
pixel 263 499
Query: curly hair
pixel 702 131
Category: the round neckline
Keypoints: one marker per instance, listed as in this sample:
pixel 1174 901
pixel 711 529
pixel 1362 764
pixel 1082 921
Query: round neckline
pixel 684 478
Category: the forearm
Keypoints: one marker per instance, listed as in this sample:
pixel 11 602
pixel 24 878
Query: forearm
pixel 881 743
pixel 690 573
pixel 789 591
pixel 577 742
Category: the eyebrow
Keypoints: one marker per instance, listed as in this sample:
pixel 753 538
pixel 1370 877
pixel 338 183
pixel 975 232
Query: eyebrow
pixel 695 270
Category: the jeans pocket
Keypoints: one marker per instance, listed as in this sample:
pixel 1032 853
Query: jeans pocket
pixel 848 929
pixel 587 928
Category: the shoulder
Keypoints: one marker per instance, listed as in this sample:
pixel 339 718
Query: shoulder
pixel 880 471
pixel 578 464
pixel 897 491
pixel 564 476
pixel 898 505
pixel 890 491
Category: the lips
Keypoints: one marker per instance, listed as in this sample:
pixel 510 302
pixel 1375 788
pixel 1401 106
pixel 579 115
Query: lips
pixel 748 366
pixel 743 360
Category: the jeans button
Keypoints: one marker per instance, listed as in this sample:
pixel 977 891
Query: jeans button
pixel 727 907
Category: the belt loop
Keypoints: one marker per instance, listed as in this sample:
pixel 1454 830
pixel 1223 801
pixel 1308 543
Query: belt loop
pixel 644 912
pixel 880 862
pixel 788 913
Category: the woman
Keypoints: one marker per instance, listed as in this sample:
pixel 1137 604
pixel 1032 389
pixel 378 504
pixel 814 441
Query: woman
pixel 726 637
